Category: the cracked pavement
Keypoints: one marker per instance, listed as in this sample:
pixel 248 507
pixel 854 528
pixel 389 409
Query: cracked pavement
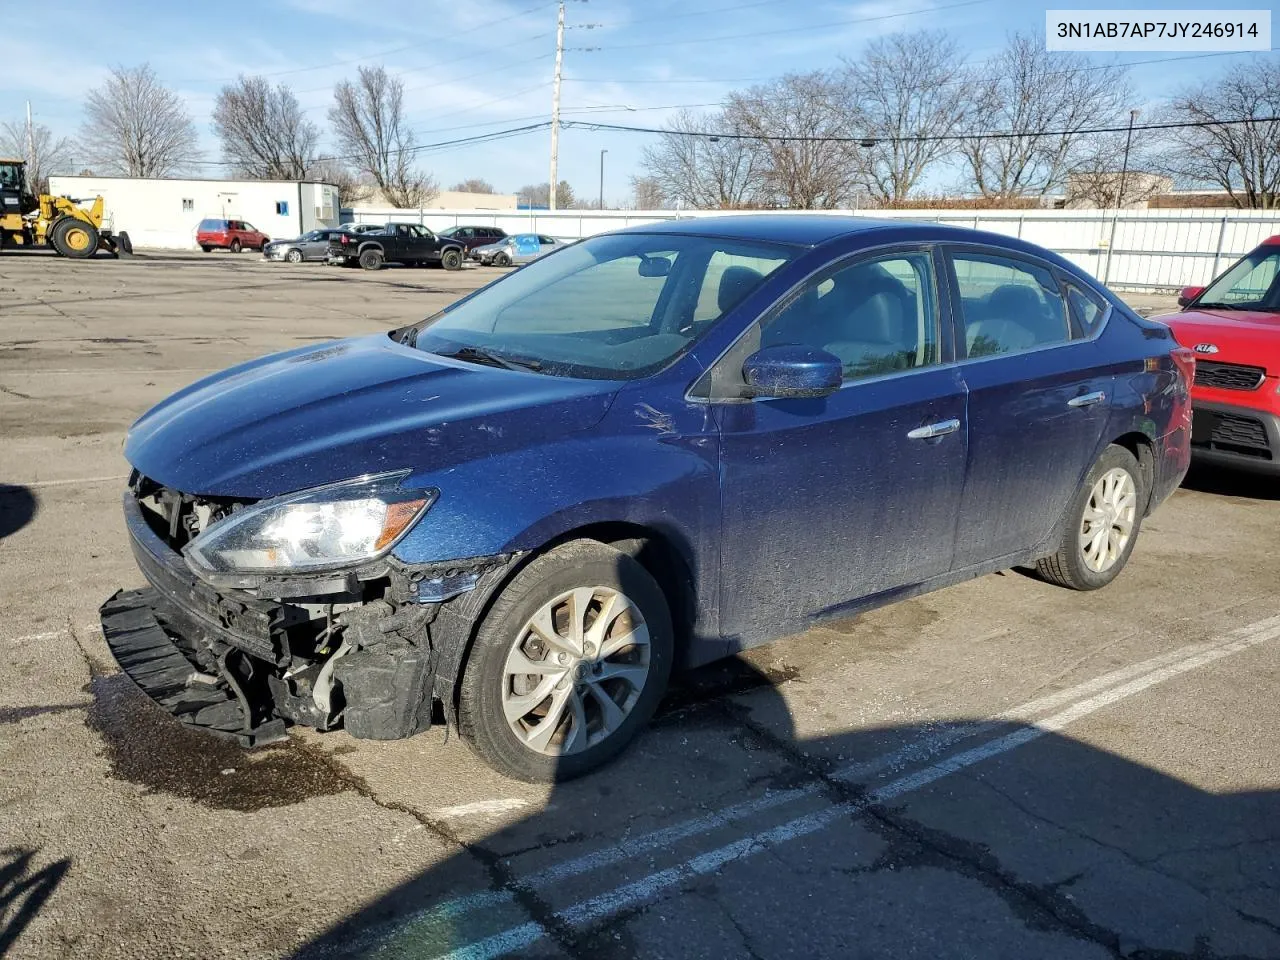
pixel 1000 769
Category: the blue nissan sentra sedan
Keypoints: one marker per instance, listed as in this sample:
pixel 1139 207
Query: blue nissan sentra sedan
pixel 645 451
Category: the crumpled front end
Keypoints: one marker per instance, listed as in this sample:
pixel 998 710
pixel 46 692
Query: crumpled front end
pixel 375 650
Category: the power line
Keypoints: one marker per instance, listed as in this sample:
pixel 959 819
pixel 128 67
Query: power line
pixel 868 140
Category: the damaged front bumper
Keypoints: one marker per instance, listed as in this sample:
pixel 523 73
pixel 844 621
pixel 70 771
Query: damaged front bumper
pixel 377 652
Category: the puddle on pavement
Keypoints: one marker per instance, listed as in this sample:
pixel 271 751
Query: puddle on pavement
pixel 148 747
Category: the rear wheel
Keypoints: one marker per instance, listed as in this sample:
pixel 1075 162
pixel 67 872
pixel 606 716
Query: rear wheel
pixel 371 259
pixel 74 238
pixel 235 246
pixel 1102 525
pixel 206 248
pixel 294 256
pixel 451 259
pixel 568 665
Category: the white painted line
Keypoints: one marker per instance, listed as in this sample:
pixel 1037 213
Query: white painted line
pixel 36 637
pixel 66 483
pixel 919 750
pixel 481 808
pixel 647 888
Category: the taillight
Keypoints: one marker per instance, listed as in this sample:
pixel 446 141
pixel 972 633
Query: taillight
pixel 345 239
pixel 1185 360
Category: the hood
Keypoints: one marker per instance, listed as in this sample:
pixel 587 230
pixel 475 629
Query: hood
pixel 338 410
pixel 1236 336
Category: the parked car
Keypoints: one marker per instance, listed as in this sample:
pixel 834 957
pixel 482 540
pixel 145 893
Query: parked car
pixel 233 235
pixel 313 245
pixel 1233 325
pixel 363 227
pixel 521 248
pixel 472 237
pixel 408 243
pixel 656 448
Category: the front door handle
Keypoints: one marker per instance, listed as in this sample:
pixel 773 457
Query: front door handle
pixel 1087 399
pixel 932 430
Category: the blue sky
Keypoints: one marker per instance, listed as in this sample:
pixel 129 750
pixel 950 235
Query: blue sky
pixel 485 65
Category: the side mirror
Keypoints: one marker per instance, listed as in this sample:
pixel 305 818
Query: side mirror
pixel 1188 294
pixel 790 370
pixel 654 266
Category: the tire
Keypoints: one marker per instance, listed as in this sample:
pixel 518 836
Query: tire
pixel 371 259
pixel 451 259
pixel 294 256
pixel 501 260
pixel 235 246
pixel 206 248
pixel 1078 562
pixel 74 238
pixel 488 689
pixel 124 243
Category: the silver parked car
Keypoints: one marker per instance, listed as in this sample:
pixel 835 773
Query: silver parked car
pixel 310 246
pixel 520 248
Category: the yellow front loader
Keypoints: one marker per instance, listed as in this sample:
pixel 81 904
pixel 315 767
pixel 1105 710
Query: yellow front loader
pixel 59 222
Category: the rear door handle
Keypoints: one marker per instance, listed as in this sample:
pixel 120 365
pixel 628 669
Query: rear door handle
pixel 932 430
pixel 1087 399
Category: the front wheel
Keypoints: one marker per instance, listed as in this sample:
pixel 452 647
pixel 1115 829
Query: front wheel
pixel 502 260
pixel 568 665
pixel 74 238
pixel 451 259
pixel 294 256
pixel 1102 525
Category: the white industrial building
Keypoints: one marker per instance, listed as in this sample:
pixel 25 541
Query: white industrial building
pixel 164 213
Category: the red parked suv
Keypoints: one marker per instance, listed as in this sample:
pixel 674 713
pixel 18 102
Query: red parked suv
pixel 1233 325
pixel 233 235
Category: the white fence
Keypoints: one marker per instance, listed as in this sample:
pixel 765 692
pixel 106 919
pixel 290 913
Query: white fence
pixel 1131 250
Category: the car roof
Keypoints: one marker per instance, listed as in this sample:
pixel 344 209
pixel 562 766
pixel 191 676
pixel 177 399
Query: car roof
pixel 808 229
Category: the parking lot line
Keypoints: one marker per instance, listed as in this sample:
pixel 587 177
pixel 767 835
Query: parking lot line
pixel 1183 661
pixel 72 482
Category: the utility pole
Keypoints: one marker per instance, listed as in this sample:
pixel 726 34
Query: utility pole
pixel 1124 166
pixel 555 111
pixel 31 138
pixel 602 153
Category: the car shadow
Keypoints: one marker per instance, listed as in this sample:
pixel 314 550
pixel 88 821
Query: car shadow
pixel 1225 482
pixel 722 832
pixel 23 892
pixel 18 507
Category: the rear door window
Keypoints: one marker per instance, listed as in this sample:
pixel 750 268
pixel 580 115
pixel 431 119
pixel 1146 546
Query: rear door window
pixel 1007 305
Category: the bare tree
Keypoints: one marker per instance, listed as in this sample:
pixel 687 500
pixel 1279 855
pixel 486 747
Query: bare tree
pixel 352 188
pixel 136 127
pixel 539 195
pixel 647 194
pixel 368 122
pixel 43 151
pixel 263 131
pixel 473 185
pixel 705 172
pixel 907 90
pixel 792 115
pixel 1045 98
pixel 1241 158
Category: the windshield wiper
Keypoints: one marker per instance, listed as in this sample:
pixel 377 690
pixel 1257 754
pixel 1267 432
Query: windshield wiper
pixel 482 356
pixel 1227 306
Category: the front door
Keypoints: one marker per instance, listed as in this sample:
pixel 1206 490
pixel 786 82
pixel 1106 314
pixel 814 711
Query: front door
pixel 1038 402
pixel 827 501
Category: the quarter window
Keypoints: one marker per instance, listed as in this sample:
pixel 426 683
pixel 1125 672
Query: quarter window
pixel 878 316
pixel 1087 310
pixel 1008 305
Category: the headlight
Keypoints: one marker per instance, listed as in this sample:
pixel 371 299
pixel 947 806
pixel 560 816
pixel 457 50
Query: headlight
pixel 338 525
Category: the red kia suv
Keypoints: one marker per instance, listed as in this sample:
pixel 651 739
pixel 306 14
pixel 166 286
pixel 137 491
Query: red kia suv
pixel 1233 325
pixel 233 235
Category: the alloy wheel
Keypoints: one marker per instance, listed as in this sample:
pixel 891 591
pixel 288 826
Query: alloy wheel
pixel 575 670
pixel 1108 521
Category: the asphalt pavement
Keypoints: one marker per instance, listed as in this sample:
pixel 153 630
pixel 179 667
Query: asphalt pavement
pixel 999 769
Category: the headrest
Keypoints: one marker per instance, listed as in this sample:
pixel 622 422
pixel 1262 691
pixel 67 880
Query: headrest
pixel 735 284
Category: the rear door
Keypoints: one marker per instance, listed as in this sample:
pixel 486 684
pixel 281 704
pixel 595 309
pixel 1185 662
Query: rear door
pixel 1039 399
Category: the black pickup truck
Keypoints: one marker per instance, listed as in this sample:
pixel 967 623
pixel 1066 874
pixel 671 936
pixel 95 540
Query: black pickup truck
pixel 407 243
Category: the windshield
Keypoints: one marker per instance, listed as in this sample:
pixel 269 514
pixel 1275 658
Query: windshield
pixel 314 235
pixel 1249 285
pixel 616 306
